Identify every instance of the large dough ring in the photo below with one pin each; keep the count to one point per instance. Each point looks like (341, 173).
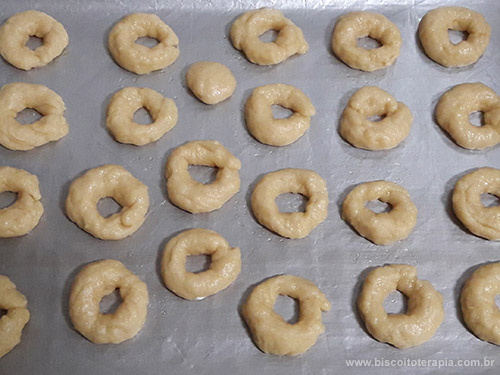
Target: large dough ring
(16, 31)
(224, 267)
(138, 58)
(433, 33)
(123, 105)
(299, 181)
(454, 108)
(97, 280)
(24, 215)
(108, 181)
(246, 30)
(270, 331)
(15, 97)
(381, 228)
(11, 324)
(352, 26)
(278, 132)
(425, 306)
(191, 195)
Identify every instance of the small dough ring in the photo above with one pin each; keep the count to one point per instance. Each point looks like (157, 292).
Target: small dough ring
(385, 134)
(11, 324)
(16, 31)
(108, 181)
(352, 26)
(433, 33)
(381, 228)
(224, 267)
(15, 97)
(246, 30)
(97, 280)
(135, 57)
(299, 181)
(191, 195)
(425, 306)
(123, 105)
(270, 332)
(480, 220)
(278, 132)
(454, 108)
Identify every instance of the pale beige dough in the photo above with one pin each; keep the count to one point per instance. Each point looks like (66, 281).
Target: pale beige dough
(385, 134)
(246, 30)
(135, 57)
(433, 33)
(278, 132)
(191, 195)
(16, 31)
(108, 181)
(381, 228)
(270, 332)
(425, 306)
(97, 280)
(299, 181)
(211, 82)
(224, 267)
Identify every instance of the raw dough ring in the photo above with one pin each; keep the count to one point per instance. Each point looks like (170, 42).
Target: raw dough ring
(16, 31)
(298, 181)
(224, 267)
(246, 30)
(11, 324)
(108, 181)
(355, 25)
(480, 220)
(433, 33)
(278, 132)
(425, 306)
(135, 57)
(22, 216)
(270, 332)
(97, 280)
(481, 314)
(123, 105)
(15, 97)
(381, 228)
(191, 195)
(454, 108)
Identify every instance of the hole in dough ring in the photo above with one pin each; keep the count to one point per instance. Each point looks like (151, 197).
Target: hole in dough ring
(270, 332)
(97, 280)
(224, 267)
(107, 181)
(425, 306)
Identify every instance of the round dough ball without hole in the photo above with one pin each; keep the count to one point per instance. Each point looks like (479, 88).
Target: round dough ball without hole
(211, 82)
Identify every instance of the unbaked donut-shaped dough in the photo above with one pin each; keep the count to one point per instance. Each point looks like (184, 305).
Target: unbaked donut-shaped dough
(211, 82)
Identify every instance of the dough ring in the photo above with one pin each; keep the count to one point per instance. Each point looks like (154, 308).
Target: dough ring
(246, 30)
(381, 228)
(355, 25)
(22, 216)
(15, 97)
(211, 82)
(224, 268)
(108, 181)
(11, 324)
(433, 33)
(454, 108)
(481, 314)
(123, 105)
(97, 280)
(270, 332)
(298, 181)
(278, 132)
(480, 220)
(16, 31)
(135, 57)
(425, 306)
(191, 195)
